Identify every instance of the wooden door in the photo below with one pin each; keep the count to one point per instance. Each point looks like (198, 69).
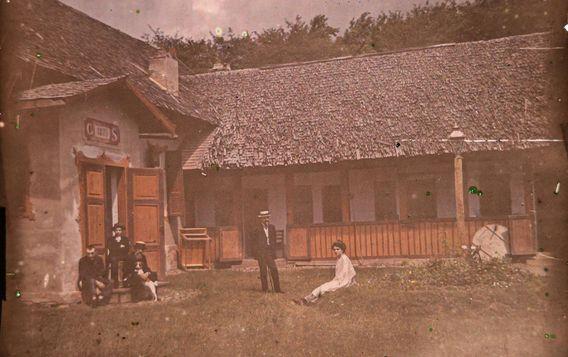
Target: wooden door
(94, 199)
(231, 247)
(146, 214)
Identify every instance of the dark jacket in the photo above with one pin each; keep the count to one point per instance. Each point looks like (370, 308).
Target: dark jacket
(261, 244)
(131, 278)
(118, 249)
(91, 269)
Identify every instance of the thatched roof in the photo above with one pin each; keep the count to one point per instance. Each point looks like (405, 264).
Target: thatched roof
(361, 107)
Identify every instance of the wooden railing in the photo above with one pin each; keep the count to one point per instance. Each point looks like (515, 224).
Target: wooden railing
(426, 238)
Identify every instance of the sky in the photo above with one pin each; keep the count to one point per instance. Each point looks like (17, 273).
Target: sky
(197, 18)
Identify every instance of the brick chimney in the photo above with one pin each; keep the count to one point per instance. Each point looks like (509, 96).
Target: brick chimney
(164, 71)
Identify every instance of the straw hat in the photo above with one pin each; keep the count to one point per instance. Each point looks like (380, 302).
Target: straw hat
(263, 214)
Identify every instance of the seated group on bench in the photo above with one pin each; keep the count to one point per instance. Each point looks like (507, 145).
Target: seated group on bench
(94, 284)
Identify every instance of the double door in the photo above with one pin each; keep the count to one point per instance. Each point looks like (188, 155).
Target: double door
(133, 197)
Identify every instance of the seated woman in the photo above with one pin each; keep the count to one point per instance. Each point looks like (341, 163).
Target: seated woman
(344, 275)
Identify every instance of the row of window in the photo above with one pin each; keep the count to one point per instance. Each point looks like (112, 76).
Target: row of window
(420, 198)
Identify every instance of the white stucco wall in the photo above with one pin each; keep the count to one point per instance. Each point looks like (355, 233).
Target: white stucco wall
(445, 197)
(362, 195)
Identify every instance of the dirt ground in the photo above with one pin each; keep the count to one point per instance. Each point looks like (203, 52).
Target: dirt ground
(441, 309)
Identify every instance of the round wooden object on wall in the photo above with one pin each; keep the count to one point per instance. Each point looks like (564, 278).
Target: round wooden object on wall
(494, 241)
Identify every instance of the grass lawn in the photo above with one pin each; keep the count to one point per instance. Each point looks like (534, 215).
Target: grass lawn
(437, 310)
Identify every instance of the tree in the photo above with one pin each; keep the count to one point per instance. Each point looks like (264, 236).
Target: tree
(424, 25)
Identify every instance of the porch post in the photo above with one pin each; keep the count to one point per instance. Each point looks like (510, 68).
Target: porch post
(458, 189)
(237, 197)
(289, 199)
(345, 197)
(529, 199)
(457, 141)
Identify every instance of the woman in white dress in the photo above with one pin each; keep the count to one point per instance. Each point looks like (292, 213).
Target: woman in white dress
(344, 275)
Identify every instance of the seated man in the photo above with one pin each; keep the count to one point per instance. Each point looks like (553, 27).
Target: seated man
(344, 275)
(95, 288)
(142, 287)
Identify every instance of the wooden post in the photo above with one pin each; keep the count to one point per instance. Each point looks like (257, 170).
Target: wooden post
(189, 189)
(238, 214)
(289, 199)
(237, 197)
(345, 197)
(530, 204)
(460, 208)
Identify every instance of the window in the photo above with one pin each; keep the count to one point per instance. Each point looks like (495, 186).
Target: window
(385, 200)
(331, 201)
(421, 198)
(303, 205)
(223, 208)
(496, 198)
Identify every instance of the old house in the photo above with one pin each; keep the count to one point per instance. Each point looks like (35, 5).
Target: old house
(91, 115)
(102, 128)
(362, 149)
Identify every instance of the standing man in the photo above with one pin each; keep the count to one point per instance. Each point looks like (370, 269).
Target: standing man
(118, 249)
(95, 288)
(265, 245)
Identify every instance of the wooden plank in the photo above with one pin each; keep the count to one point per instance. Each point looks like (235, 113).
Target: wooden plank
(365, 239)
(398, 246)
(38, 103)
(298, 243)
(231, 244)
(158, 114)
(96, 224)
(146, 212)
(403, 240)
(428, 238)
(420, 239)
(312, 241)
(520, 234)
(374, 240)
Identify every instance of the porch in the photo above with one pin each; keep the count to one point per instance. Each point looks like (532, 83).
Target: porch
(400, 207)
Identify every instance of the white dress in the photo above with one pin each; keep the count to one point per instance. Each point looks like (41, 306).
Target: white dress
(344, 277)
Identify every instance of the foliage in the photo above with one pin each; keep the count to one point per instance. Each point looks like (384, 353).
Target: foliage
(427, 24)
(460, 272)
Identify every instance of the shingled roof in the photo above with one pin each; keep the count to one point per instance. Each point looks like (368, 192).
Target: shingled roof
(60, 38)
(360, 108)
(65, 90)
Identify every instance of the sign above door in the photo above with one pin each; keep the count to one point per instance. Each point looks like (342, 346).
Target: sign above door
(99, 131)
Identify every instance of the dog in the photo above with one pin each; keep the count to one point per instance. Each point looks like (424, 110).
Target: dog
(145, 277)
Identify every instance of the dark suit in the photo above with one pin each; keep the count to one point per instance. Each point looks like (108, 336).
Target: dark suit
(265, 254)
(117, 252)
(91, 271)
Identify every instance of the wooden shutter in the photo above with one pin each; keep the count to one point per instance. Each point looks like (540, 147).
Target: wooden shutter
(94, 198)
(146, 214)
